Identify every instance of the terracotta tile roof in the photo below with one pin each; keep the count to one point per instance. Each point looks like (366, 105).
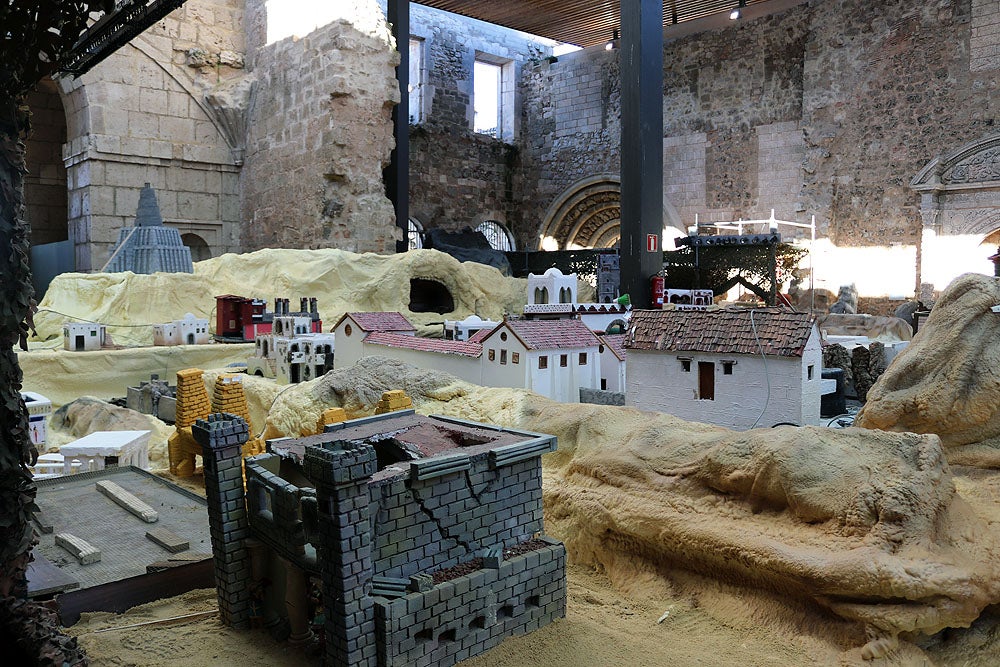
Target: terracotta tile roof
(380, 321)
(615, 343)
(781, 332)
(550, 334)
(439, 345)
(480, 335)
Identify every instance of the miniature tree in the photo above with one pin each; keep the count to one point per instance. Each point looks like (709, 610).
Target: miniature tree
(38, 40)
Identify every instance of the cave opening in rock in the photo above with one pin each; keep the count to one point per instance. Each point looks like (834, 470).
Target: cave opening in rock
(430, 296)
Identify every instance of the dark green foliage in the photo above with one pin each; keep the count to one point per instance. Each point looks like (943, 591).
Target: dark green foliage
(719, 268)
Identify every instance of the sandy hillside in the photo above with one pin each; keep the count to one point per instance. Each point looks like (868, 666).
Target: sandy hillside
(785, 546)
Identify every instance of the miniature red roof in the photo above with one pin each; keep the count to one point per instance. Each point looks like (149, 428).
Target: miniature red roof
(439, 345)
(781, 332)
(615, 343)
(379, 321)
(550, 334)
(480, 335)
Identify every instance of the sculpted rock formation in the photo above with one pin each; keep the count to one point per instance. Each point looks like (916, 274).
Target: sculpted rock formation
(342, 281)
(867, 525)
(947, 381)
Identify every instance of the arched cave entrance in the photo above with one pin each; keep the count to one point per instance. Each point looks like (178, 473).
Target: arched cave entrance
(45, 183)
(199, 248)
(430, 296)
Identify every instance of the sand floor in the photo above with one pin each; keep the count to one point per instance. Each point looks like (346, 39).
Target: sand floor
(705, 624)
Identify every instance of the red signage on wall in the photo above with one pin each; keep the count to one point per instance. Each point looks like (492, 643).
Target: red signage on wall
(652, 241)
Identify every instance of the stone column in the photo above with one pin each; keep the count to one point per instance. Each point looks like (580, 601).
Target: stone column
(340, 473)
(221, 437)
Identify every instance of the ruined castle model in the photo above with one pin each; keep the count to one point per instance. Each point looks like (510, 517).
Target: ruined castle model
(425, 533)
(148, 246)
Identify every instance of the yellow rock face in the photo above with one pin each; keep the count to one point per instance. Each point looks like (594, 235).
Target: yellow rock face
(341, 281)
(947, 381)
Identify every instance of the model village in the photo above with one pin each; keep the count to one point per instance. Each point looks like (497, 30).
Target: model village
(708, 446)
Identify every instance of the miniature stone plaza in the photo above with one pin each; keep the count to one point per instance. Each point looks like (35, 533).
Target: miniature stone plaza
(391, 334)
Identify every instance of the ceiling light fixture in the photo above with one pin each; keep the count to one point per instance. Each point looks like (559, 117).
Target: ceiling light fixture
(613, 42)
(737, 12)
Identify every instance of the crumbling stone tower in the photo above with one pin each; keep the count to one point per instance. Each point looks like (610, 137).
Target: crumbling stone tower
(222, 437)
(229, 396)
(192, 405)
(341, 473)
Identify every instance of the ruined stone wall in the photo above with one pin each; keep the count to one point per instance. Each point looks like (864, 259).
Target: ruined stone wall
(458, 177)
(824, 108)
(571, 128)
(888, 87)
(143, 116)
(319, 133)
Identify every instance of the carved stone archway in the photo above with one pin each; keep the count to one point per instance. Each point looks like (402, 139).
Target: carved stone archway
(960, 190)
(588, 214)
(585, 209)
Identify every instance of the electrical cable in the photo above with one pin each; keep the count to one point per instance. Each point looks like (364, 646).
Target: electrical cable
(83, 319)
(767, 376)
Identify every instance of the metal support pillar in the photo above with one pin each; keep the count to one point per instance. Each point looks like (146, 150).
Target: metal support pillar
(397, 175)
(642, 147)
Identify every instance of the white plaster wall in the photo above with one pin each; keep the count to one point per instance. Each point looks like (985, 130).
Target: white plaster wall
(811, 390)
(656, 381)
(612, 370)
(348, 349)
(466, 368)
(563, 383)
(495, 374)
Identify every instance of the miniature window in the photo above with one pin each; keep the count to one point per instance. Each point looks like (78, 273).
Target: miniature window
(93, 333)
(727, 367)
(563, 360)
(493, 355)
(515, 358)
(686, 365)
(583, 358)
(543, 362)
(809, 372)
(503, 357)
(348, 330)
(503, 335)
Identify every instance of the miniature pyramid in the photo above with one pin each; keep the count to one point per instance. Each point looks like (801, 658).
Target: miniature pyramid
(148, 246)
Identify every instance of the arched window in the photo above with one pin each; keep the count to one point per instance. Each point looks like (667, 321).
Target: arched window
(497, 235)
(414, 235)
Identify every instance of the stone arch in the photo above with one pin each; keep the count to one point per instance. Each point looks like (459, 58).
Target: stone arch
(199, 247)
(45, 184)
(960, 190)
(588, 214)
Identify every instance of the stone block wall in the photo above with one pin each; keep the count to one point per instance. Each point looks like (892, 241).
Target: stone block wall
(463, 617)
(319, 134)
(142, 116)
(425, 525)
(459, 178)
(569, 135)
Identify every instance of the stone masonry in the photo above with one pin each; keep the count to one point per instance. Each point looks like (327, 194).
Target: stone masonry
(222, 437)
(341, 473)
(394, 504)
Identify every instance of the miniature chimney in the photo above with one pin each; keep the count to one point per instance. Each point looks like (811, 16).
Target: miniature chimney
(313, 305)
(303, 305)
(277, 306)
(285, 306)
